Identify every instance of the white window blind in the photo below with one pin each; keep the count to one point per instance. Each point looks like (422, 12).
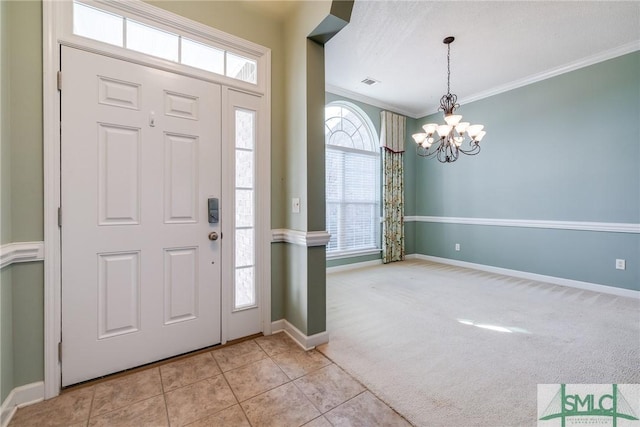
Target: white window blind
(352, 181)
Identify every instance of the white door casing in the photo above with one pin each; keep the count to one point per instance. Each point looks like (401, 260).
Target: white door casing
(141, 153)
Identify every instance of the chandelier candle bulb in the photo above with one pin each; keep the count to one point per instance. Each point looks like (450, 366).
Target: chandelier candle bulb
(462, 127)
(453, 119)
(430, 128)
(419, 137)
(443, 130)
(474, 130)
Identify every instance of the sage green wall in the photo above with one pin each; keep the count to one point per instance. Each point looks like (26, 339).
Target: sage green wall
(6, 342)
(304, 99)
(6, 333)
(21, 285)
(25, 71)
(5, 130)
(313, 24)
(563, 149)
(28, 325)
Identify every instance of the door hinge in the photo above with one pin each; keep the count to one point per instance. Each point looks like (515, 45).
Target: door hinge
(60, 80)
(59, 217)
(60, 351)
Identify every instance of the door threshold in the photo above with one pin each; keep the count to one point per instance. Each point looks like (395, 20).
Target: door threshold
(155, 364)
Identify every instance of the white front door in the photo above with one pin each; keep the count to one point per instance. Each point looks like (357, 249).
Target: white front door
(141, 150)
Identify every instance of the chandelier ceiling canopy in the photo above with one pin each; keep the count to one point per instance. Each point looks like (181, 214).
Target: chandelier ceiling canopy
(455, 136)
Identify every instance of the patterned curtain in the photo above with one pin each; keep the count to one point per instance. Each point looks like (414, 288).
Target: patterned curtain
(392, 140)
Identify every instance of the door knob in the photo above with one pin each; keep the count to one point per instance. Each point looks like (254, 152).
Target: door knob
(213, 236)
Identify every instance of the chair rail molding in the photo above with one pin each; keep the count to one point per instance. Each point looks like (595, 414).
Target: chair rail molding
(611, 227)
(12, 253)
(300, 238)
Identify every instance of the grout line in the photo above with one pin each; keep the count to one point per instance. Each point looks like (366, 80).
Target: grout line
(166, 408)
(93, 398)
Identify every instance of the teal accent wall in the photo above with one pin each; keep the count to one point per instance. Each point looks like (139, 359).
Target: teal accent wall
(563, 149)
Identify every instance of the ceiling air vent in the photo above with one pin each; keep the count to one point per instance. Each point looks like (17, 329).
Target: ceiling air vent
(369, 81)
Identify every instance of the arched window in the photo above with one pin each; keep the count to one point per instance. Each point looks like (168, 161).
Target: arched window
(352, 181)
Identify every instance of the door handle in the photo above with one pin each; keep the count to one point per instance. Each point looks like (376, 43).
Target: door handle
(213, 236)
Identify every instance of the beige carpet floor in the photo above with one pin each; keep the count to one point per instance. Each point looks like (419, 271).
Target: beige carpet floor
(447, 346)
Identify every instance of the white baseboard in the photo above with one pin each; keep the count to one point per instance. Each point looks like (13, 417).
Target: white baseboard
(21, 396)
(354, 266)
(611, 290)
(304, 341)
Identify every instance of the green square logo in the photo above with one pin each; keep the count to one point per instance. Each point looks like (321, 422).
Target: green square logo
(593, 405)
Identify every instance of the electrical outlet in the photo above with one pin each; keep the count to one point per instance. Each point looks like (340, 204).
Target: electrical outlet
(621, 264)
(295, 205)
(458, 247)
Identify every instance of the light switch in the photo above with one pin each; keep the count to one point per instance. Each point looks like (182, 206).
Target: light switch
(295, 205)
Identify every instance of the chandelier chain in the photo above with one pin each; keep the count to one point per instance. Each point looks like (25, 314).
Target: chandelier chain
(448, 69)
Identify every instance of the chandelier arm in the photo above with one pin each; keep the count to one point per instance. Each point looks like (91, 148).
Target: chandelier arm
(475, 149)
(425, 152)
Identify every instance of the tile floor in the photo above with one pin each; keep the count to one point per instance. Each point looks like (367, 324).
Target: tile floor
(267, 381)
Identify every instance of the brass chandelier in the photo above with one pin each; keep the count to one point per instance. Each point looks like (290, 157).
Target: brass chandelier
(455, 136)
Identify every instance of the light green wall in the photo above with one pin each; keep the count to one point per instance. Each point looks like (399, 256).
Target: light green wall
(563, 149)
(5, 129)
(28, 323)
(25, 71)
(303, 62)
(21, 326)
(6, 333)
(21, 187)
(304, 100)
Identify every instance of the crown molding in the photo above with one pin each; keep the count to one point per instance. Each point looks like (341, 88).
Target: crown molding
(534, 78)
(335, 90)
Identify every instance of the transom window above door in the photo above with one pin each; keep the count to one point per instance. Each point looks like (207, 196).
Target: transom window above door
(352, 181)
(119, 30)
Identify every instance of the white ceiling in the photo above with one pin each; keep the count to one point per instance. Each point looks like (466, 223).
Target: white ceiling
(499, 45)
